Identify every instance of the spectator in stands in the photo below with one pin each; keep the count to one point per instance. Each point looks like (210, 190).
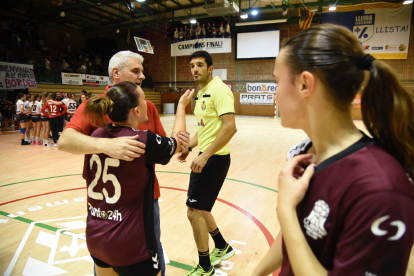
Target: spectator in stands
(68, 50)
(65, 66)
(98, 63)
(47, 64)
(91, 67)
(83, 68)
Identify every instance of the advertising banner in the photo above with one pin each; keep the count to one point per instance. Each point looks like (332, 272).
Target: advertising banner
(383, 32)
(211, 45)
(71, 79)
(16, 76)
(83, 79)
(256, 99)
(268, 87)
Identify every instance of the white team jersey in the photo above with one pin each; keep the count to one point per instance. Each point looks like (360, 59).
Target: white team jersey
(26, 106)
(300, 148)
(71, 104)
(36, 108)
(18, 109)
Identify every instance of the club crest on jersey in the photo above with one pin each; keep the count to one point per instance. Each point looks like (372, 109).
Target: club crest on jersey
(203, 106)
(201, 123)
(314, 223)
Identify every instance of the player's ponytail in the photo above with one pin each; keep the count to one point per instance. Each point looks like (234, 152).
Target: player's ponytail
(96, 108)
(117, 103)
(386, 111)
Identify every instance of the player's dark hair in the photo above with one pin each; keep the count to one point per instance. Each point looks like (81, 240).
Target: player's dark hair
(35, 97)
(53, 96)
(117, 103)
(203, 54)
(332, 53)
(20, 95)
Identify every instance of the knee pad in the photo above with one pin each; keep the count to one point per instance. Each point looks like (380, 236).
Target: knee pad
(22, 130)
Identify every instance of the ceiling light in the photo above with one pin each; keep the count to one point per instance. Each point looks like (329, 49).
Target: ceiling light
(408, 2)
(193, 21)
(62, 14)
(254, 12)
(117, 31)
(332, 8)
(140, 0)
(244, 16)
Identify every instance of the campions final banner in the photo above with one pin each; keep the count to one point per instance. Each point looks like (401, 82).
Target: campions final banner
(383, 29)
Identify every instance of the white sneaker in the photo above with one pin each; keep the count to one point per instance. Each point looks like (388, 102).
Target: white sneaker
(29, 140)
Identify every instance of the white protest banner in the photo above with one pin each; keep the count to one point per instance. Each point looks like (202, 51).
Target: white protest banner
(383, 29)
(211, 45)
(256, 99)
(71, 79)
(261, 87)
(16, 76)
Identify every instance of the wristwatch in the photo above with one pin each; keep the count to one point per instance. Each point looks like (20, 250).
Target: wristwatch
(189, 148)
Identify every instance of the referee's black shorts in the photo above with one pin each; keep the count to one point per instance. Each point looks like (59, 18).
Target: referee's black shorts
(205, 186)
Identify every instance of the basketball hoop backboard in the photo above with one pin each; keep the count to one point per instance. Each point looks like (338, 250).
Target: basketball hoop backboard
(144, 45)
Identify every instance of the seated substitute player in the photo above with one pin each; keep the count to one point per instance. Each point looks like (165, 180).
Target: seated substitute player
(214, 111)
(350, 214)
(120, 230)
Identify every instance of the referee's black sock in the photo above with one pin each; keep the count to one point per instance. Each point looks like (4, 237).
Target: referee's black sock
(204, 260)
(219, 241)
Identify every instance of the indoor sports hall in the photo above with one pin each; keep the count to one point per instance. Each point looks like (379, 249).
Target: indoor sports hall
(65, 46)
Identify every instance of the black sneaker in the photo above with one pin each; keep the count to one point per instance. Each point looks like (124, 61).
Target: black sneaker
(24, 143)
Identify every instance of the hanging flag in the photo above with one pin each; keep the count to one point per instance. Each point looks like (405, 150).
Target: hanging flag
(305, 19)
(129, 36)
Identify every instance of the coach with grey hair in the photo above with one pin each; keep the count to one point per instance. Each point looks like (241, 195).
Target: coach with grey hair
(75, 139)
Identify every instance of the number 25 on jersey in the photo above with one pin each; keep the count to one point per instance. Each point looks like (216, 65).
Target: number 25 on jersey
(109, 162)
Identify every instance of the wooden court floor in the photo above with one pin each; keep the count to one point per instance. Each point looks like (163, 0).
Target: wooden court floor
(43, 207)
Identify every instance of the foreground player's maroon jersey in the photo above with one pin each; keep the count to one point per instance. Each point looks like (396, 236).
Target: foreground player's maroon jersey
(357, 213)
(120, 223)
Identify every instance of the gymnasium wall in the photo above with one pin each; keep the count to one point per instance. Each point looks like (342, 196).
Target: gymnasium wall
(248, 70)
(158, 66)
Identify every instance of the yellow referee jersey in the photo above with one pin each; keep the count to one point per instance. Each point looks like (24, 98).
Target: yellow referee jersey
(214, 100)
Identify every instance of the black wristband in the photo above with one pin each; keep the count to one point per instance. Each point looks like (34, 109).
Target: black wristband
(189, 148)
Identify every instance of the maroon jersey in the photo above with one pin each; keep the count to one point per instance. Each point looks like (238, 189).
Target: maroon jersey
(357, 213)
(120, 223)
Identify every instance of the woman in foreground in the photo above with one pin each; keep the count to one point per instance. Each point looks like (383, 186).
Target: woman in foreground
(350, 213)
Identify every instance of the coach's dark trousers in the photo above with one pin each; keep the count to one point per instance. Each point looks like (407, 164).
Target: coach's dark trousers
(56, 126)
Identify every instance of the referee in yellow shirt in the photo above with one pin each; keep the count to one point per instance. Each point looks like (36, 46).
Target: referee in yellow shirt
(214, 110)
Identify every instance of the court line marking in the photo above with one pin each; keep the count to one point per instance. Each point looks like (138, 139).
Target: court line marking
(264, 230)
(235, 180)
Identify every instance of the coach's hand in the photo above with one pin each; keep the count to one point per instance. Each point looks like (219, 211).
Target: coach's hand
(198, 163)
(185, 141)
(124, 148)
